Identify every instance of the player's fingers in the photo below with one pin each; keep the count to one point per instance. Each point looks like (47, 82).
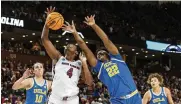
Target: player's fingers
(86, 18)
(85, 22)
(64, 29)
(67, 23)
(53, 9)
(93, 15)
(50, 8)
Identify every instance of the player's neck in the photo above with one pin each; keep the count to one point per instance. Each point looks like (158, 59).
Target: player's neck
(156, 89)
(38, 78)
(69, 58)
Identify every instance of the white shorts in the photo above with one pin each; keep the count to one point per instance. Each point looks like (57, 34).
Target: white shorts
(71, 100)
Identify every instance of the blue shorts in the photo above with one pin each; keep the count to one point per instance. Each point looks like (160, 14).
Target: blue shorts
(136, 99)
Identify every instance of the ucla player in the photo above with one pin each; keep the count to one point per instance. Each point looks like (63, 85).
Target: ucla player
(111, 68)
(36, 87)
(67, 71)
(158, 94)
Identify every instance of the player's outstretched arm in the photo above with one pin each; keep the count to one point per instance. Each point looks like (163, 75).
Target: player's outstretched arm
(88, 53)
(86, 73)
(22, 82)
(51, 50)
(169, 96)
(146, 98)
(107, 42)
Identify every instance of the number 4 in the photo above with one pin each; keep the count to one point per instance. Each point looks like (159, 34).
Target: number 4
(69, 72)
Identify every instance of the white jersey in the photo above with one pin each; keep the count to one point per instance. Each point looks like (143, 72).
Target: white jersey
(66, 78)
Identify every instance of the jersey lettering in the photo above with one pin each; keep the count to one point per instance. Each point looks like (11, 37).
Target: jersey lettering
(157, 100)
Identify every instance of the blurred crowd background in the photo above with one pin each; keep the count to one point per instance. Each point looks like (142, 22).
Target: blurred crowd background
(160, 23)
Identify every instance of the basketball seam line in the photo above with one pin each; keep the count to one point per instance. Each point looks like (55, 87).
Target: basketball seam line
(56, 23)
(52, 20)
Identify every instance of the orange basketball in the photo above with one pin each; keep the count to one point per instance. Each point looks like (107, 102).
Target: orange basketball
(55, 21)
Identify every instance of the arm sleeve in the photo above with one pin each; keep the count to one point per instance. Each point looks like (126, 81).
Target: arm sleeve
(97, 67)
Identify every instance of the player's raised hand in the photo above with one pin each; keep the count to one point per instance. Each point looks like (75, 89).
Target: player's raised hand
(50, 10)
(68, 27)
(27, 73)
(89, 20)
(82, 57)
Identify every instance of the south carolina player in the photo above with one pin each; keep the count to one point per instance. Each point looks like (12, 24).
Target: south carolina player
(36, 87)
(67, 71)
(158, 94)
(111, 68)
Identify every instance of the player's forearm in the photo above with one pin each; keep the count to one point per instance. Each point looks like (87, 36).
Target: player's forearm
(100, 33)
(45, 33)
(87, 74)
(78, 39)
(17, 84)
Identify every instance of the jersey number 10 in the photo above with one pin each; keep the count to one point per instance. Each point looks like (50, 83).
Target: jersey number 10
(38, 98)
(69, 72)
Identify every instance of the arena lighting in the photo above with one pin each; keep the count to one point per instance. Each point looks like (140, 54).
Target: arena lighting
(133, 49)
(86, 42)
(120, 47)
(162, 53)
(81, 35)
(57, 41)
(59, 36)
(137, 53)
(67, 39)
(153, 55)
(146, 51)
(31, 41)
(23, 36)
(33, 33)
(12, 38)
(146, 56)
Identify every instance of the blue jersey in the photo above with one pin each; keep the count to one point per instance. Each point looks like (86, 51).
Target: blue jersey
(158, 98)
(116, 76)
(37, 94)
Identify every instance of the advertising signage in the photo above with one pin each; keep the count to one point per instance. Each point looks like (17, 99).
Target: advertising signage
(163, 47)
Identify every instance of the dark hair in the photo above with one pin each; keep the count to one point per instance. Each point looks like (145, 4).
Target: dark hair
(104, 49)
(101, 48)
(65, 49)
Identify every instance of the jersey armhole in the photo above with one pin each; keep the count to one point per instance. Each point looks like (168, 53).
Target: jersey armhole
(32, 84)
(164, 91)
(100, 70)
(150, 95)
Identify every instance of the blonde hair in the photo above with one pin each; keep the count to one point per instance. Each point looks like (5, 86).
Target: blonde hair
(155, 75)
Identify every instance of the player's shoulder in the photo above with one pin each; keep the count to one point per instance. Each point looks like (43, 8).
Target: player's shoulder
(167, 90)
(79, 62)
(31, 83)
(148, 94)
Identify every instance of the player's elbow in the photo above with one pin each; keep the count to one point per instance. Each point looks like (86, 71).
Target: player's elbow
(14, 87)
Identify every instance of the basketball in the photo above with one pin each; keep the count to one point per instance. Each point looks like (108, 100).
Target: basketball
(55, 21)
